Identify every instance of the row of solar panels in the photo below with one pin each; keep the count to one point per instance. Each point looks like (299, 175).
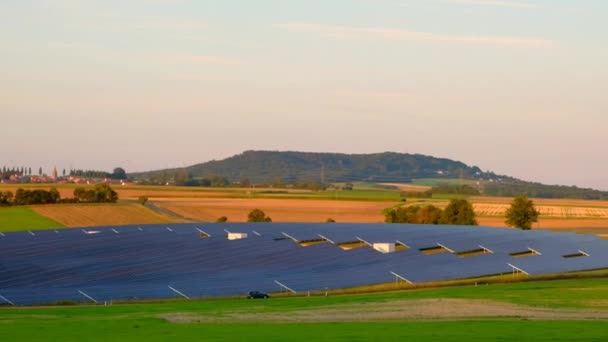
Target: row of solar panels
(159, 261)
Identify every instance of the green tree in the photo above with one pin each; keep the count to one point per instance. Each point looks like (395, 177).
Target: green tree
(118, 173)
(105, 194)
(522, 213)
(459, 212)
(429, 214)
(257, 215)
(6, 198)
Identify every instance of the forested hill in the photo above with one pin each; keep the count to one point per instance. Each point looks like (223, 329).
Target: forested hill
(279, 168)
(289, 167)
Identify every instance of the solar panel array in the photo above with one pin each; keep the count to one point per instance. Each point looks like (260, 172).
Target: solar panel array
(158, 261)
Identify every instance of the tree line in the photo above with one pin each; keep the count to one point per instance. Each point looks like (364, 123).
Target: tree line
(100, 193)
(521, 214)
(458, 212)
(117, 173)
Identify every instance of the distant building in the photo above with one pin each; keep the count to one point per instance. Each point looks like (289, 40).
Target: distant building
(54, 175)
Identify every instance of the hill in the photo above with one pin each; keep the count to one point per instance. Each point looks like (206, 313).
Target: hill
(268, 166)
(274, 167)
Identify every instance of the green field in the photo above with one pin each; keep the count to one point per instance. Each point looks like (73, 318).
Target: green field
(269, 320)
(22, 218)
(443, 181)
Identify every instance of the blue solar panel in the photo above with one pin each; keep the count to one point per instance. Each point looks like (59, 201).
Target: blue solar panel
(156, 261)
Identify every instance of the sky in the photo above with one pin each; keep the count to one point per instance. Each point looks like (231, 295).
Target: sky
(515, 87)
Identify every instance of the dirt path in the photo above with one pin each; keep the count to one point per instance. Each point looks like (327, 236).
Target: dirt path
(423, 309)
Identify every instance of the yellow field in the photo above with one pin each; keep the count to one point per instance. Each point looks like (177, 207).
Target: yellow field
(493, 209)
(74, 215)
(279, 210)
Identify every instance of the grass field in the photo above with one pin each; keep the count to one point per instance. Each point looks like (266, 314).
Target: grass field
(12, 219)
(543, 311)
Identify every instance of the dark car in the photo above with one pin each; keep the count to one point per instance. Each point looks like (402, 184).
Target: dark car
(256, 295)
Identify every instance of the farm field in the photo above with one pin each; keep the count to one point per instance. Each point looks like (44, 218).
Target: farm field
(280, 210)
(364, 204)
(79, 215)
(12, 219)
(569, 310)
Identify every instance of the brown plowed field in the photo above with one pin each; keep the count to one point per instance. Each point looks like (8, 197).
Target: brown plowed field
(101, 215)
(292, 210)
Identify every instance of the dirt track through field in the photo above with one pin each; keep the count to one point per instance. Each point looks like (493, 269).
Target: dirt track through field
(422, 309)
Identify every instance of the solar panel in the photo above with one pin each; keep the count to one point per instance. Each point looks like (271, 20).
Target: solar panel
(164, 261)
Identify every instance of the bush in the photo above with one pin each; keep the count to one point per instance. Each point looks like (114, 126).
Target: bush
(257, 215)
(221, 219)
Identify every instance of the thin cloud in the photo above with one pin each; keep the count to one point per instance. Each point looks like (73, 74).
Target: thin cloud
(493, 3)
(346, 32)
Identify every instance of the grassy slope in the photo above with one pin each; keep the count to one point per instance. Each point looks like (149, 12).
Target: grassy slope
(21, 218)
(140, 321)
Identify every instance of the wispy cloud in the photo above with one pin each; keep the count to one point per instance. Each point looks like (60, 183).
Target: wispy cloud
(493, 3)
(348, 32)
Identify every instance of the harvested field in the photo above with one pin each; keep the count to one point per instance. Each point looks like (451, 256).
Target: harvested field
(279, 210)
(494, 209)
(551, 223)
(101, 214)
(542, 201)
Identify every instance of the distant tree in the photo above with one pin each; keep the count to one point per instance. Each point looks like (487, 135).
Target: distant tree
(257, 215)
(6, 198)
(101, 193)
(54, 195)
(522, 213)
(118, 173)
(38, 196)
(413, 214)
(330, 220)
(348, 186)
(63, 172)
(401, 214)
(429, 214)
(105, 194)
(221, 219)
(182, 177)
(459, 212)
(40, 172)
(219, 181)
(245, 183)
(143, 200)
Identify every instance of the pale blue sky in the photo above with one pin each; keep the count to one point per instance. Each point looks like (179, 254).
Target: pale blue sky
(517, 87)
